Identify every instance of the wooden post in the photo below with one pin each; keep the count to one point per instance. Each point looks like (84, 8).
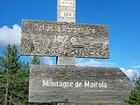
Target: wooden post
(66, 12)
(66, 61)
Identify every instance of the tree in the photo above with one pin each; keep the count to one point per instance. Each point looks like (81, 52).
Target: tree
(11, 78)
(14, 78)
(35, 60)
(134, 98)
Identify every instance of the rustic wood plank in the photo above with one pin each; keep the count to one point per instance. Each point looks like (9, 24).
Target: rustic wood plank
(64, 39)
(118, 84)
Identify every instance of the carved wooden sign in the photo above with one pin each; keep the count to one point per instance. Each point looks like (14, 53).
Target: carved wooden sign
(78, 84)
(64, 39)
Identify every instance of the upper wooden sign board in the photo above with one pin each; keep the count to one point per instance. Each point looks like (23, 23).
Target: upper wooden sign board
(45, 38)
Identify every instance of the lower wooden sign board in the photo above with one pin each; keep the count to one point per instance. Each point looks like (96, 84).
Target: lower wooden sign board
(78, 84)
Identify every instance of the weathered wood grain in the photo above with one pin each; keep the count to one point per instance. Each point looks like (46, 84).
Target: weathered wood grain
(64, 39)
(118, 84)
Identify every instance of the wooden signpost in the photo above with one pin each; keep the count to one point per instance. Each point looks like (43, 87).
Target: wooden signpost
(66, 83)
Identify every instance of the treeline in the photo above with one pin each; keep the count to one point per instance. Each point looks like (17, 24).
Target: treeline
(14, 80)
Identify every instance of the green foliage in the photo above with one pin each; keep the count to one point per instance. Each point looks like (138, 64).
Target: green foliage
(137, 83)
(13, 80)
(134, 98)
(2, 87)
(35, 60)
(10, 61)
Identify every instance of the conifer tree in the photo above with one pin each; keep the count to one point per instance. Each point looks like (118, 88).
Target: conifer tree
(134, 98)
(12, 80)
(35, 60)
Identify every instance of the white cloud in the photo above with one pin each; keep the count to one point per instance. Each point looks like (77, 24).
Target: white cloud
(10, 35)
(93, 63)
(130, 72)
